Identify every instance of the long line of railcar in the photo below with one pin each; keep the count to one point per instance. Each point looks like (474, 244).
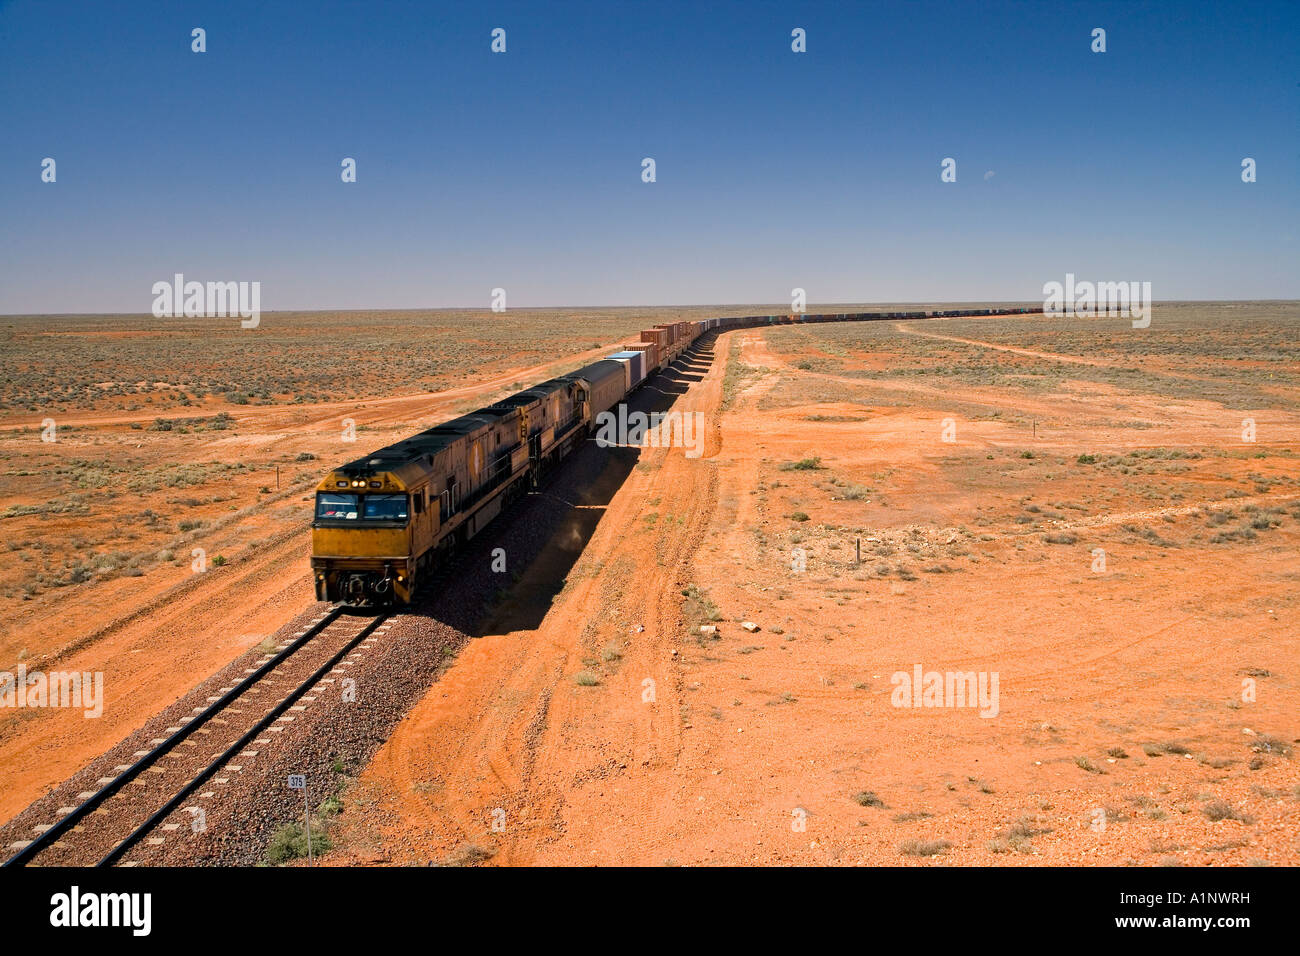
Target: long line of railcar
(385, 521)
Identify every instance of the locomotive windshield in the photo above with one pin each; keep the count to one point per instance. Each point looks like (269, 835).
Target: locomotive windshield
(384, 507)
(339, 507)
(336, 507)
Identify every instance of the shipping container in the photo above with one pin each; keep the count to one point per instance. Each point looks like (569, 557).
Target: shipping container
(651, 353)
(659, 337)
(627, 372)
(635, 362)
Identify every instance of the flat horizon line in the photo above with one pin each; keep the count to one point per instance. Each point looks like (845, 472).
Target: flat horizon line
(705, 305)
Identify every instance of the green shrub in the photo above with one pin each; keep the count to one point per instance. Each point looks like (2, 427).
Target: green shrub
(290, 843)
(923, 847)
(804, 464)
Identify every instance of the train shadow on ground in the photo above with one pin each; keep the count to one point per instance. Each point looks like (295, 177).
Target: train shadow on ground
(509, 576)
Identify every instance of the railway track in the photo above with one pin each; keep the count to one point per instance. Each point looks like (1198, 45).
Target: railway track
(129, 807)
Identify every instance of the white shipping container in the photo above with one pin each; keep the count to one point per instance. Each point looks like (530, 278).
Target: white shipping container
(635, 362)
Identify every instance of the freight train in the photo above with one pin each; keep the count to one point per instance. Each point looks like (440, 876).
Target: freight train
(386, 521)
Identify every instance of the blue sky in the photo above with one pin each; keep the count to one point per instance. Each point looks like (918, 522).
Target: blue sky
(523, 170)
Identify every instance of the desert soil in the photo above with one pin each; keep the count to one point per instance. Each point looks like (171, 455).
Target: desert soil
(1147, 702)
(1147, 705)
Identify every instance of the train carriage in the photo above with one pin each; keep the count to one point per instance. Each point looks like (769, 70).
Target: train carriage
(603, 386)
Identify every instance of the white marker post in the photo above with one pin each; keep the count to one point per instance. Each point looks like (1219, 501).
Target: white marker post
(298, 781)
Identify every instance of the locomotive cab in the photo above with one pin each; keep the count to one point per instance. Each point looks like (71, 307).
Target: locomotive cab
(366, 528)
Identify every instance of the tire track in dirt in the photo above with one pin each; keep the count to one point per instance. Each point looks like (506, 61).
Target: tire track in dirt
(149, 657)
(1028, 353)
(178, 602)
(418, 403)
(1052, 356)
(1202, 413)
(948, 533)
(1151, 514)
(758, 353)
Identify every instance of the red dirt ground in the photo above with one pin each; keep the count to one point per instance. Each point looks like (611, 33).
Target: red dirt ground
(1120, 718)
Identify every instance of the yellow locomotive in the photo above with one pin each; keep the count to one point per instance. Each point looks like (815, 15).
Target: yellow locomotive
(386, 520)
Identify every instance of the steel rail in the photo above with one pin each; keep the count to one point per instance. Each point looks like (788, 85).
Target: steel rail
(51, 836)
(199, 779)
